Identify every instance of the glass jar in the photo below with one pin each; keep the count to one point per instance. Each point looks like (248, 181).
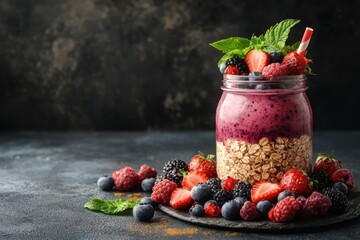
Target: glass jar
(263, 128)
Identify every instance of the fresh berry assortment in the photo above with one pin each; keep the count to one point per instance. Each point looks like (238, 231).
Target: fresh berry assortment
(201, 193)
(266, 54)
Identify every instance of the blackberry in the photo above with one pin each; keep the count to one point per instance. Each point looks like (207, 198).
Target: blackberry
(276, 57)
(242, 189)
(214, 184)
(222, 196)
(320, 180)
(172, 175)
(175, 164)
(239, 64)
(339, 201)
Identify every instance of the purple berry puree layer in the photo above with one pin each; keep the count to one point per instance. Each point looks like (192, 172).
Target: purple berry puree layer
(252, 117)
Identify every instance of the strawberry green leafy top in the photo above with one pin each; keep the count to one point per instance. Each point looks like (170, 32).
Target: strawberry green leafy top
(274, 39)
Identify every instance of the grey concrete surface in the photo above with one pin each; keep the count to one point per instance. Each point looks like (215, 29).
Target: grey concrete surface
(45, 179)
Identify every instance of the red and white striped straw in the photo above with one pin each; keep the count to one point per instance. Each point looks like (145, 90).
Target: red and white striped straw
(305, 41)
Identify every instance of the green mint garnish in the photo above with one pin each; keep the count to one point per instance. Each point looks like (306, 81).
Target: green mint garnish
(274, 39)
(111, 207)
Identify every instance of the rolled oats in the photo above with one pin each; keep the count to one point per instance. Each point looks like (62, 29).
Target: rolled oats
(266, 160)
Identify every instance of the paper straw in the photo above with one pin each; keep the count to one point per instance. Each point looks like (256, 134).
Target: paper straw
(305, 41)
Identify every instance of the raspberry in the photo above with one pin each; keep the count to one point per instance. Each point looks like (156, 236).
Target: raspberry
(295, 63)
(285, 210)
(275, 70)
(319, 202)
(146, 172)
(126, 179)
(305, 211)
(212, 208)
(232, 70)
(162, 191)
(249, 212)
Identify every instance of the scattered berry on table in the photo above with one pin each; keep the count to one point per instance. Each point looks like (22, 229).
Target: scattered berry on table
(339, 201)
(275, 70)
(175, 164)
(126, 179)
(242, 189)
(305, 210)
(232, 70)
(214, 184)
(264, 207)
(284, 194)
(295, 63)
(239, 64)
(147, 184)
(341, 187)
(146, 172)
(326, 163)
(285, 210)
(191, 179)
(320, 180)
(173, 175)
(240, 201)
(201, 193)
(319, 202)
(197, 210)
(181, 199)
(344, 175)
(202, 163)
(276, 57)
(297, 181)
(228, 184)
(105, 183)
(148, 200)
(143, 212)
(230, 210)
(265, 191)
(222, 196)
(212, 208)
(162, 191)
(249, 212)
(256, 60)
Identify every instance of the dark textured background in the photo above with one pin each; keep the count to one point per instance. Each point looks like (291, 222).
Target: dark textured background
(146, 64)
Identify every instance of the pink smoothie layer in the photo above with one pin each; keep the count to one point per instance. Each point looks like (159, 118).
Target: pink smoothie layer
(252, 117)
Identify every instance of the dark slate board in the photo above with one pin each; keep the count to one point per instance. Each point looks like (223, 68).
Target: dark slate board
(352, 212)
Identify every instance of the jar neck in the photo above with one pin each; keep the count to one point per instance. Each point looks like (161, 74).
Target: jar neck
(256, 85)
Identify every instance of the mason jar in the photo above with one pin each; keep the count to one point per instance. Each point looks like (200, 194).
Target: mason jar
(263, 128)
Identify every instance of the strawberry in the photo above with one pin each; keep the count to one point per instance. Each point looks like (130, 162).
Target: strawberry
(297, 181)
(256, 60)
(212, 208)
(181, 199)
(295, 63)
(203, 164)
(232, 70)
(191, 179)
(344, 175)
(327, 164)
(265, 191)
(228, 184)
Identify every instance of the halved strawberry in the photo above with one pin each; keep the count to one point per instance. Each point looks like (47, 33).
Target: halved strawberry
(265, 191)
(256, 60)
(181, 199)
(228, 184)
(191, 179)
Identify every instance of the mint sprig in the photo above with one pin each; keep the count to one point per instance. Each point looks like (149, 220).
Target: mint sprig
(230, 44)
(277, 35)
(111, 207)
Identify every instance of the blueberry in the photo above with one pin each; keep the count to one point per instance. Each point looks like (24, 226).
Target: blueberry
(276, 57)
(201, 193)
(285, 194)
(197, 210)
(254, 76)
(148, 200)
(147, 184)
(240, 201)
(263, 86)
(222, 67)
(105, 183)
(264, 207)
(143, 212)
(341, 187)
(230, 210)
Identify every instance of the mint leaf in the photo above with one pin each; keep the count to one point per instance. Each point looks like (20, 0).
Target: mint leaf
(257, 42)
(234, 53)
(277, 35)
(229, 44)
(111, 207)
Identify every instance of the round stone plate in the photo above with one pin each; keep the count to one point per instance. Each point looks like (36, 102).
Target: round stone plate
(352, 212)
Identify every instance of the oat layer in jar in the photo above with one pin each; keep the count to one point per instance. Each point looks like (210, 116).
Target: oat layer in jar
(263, 128)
